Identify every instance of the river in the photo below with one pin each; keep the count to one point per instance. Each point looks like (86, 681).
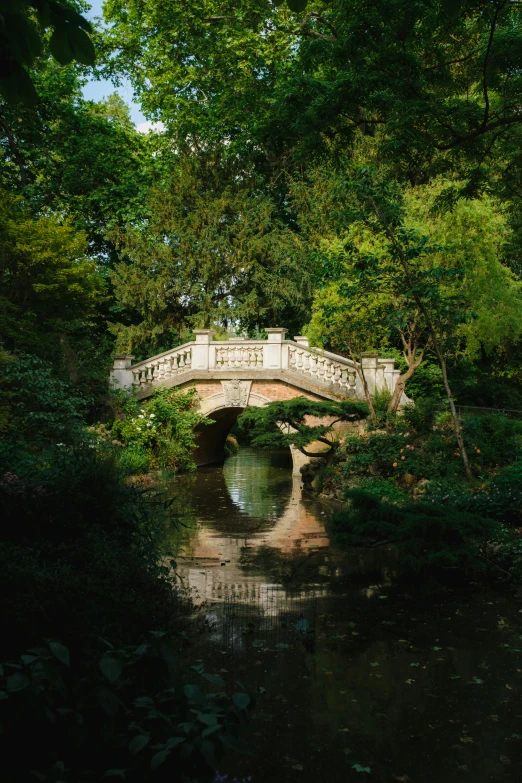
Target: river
(357, 674)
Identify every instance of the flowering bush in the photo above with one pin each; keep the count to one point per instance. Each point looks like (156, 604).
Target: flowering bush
(159, 432)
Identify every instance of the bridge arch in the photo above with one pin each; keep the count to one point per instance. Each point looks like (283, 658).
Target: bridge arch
(220, 408)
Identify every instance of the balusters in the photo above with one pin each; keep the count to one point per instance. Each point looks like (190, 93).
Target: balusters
(328, 372)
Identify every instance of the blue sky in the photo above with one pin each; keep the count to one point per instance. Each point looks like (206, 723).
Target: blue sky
(96, 90)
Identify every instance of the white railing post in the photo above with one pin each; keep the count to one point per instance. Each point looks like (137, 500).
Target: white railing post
(121, 374)
(272, 350)
(201, 349)
(369, 362)
(389, 369)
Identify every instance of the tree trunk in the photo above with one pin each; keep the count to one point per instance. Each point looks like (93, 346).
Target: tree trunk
(399, 389)
(454, 415)
(367, 396)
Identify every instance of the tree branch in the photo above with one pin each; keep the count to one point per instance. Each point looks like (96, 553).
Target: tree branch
(480, 131)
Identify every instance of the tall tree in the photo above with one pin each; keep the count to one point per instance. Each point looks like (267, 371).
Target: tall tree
(213, 253)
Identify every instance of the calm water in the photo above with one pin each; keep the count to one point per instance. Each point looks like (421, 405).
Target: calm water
(356, 677)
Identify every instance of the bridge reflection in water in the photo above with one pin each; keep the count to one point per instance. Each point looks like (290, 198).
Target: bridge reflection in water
(242, 515)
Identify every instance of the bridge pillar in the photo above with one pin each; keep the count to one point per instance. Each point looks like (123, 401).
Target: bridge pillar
(200, 350)
(121, 374)
(273, 350)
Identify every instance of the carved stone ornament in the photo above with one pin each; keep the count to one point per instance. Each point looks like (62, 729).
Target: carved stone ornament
(236, 393)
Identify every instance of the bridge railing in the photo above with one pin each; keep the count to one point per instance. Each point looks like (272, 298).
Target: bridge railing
(248, 357)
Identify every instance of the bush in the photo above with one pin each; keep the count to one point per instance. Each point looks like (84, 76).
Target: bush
(122, 712)
(492, 439)
(159, 431)
(499, 498)
(42, 409)
(421, 416)
(426, 535)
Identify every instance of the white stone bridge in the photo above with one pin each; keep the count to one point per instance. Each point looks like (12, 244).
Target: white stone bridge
(233, 374)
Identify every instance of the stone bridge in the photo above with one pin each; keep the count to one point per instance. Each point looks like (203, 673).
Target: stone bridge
(233, 374)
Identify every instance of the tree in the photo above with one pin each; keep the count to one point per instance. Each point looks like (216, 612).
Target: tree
(364, 300)
(213, 253)
(76, 158)
(47, 284)
(291, 423)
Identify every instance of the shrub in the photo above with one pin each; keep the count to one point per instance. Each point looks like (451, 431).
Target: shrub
(492, 439)
(425, 534)
(42, 408)
(126, 712)
(499, 498)
(161, 429)
(421, 416)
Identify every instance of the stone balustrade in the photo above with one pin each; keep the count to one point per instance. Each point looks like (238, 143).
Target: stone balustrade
(275, 356)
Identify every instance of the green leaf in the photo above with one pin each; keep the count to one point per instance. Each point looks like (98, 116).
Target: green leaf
(241, 700)
(208, 752)
(60, 45)
(111, 668)
(16, 86)
(211, 729)
(60, 652)
(81, 45)
(159, 758)
(215, 679)
(358, 768)
(174, 742)
(108, 700)
(138, 743)
(17, 682)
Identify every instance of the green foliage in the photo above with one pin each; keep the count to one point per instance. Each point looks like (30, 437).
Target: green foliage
(23, 24)
(47, 283)
(427, 535)
(420, 417)
(287, 423)
(159, 432)
(42, 410)
(126, 711)
(212, 252)
(499, 498)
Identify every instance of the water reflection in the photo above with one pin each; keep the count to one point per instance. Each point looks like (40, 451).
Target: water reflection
(251, 506)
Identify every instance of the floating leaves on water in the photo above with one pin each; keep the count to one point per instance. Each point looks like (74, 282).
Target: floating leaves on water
(466, 740)
(359, 768)
(414, 664)
(298, 766)
(410, 682)
(436, 648)
(375, 663)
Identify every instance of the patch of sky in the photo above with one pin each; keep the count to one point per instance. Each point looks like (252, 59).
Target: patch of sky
(98, 89)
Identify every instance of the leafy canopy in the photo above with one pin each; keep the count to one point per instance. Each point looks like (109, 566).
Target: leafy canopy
(299, 422)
